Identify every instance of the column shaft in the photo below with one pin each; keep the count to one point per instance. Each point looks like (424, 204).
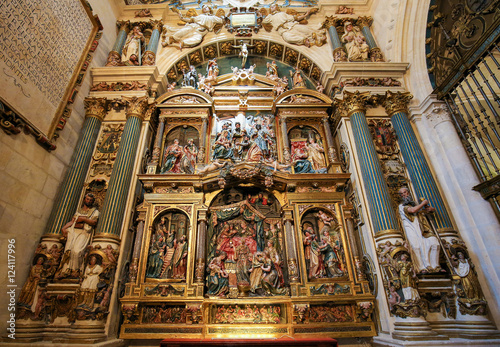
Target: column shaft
(382, 212)
(149, 57)
(69, 193)
(203, 139)
(418, 169)
(286, 143)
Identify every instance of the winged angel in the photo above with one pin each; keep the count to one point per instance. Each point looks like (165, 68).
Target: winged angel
(292, 26)
(195, 28)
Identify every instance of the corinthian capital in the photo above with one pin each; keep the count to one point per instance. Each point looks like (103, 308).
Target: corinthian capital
(95, 107)
(136, 106)
(123, 25)
(364, 21)
(396, 102)
(353, 102)
(156, 24)
(330, 21)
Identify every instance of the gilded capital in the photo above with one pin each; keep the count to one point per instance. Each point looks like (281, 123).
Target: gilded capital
(364, 21)
(329, 21)
(136, 107)
(123, 25)
(156, 24)
(96, 107)
(353, 102)
(396, 102)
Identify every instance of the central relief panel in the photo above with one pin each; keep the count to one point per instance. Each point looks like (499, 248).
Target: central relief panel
(245, 245)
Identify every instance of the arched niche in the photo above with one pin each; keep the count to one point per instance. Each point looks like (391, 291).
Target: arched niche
(168, 247)
(246, 245)
(323, 245)
(307, 148)
(180, 150)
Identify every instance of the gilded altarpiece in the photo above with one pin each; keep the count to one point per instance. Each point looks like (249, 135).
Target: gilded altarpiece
(236, 237)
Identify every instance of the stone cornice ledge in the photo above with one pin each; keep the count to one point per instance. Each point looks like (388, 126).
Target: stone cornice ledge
(342, 71)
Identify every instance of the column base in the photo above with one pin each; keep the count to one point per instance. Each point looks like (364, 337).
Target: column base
(471, 330)
(415, 329)
(386, 340)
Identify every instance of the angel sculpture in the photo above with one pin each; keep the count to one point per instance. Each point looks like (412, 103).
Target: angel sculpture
(291, 26)
(196, 27)
(243, 52)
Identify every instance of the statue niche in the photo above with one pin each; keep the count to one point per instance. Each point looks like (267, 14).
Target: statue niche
(245, 245)
(308, 152)
(323, 247)
(181, 151)
(168, 249)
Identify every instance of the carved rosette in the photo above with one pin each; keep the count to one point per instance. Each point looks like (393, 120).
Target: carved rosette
(136, 106)
(354, 102)
(396, 102)
(95, 107)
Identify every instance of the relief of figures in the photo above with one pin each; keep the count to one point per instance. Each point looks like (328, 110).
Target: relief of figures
(168, 250)
(245, 255)
(196, 27)
(308, 153)
(400, 280)
(30, 292)
(355, 43)
(164, 314)
(249, 139)
(78, 233)
(250, 314)
(323, 248)
(290, 28)
(331, 314)
(181, 151)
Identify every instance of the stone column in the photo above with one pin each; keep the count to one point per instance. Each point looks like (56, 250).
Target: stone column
(149, 57)
(332, 153)
(339, 53)
(111, 218)
(396, 106)
(203, 139)
(375, 52)
(379, 200)
(70, 191)
(291, 249)
(201, 246)
(155, 158)
(115, 55)
(286, 144)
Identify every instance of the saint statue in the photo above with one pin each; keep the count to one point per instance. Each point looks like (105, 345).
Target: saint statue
(132, 50)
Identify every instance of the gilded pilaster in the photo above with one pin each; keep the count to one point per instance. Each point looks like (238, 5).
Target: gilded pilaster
(114, 204)
(396, 106)
(155, 158)
(201, 246)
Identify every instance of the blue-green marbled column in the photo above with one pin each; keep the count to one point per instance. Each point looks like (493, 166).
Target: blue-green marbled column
(339, 53)
(375, 52)
(381, 209)
(67, 198)
(149, 57)
(418, 169)
(111, 218)
(114, 56)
